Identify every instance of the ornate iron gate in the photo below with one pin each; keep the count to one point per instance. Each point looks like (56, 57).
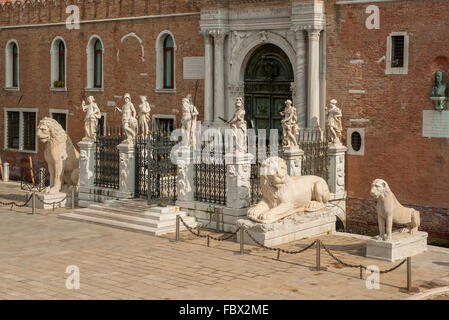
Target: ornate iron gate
(161, 172)
(142, 150)
(107, 159)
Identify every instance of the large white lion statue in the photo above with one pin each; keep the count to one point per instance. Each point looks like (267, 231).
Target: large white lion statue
(284, 195)
(390, 211)
(61, 156)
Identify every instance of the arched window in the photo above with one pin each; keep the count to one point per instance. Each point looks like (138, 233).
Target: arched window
(61, 61)
(15, 66)
(58, 64)
(165, 62)
(168, 62)
(98, 64)
(95, 51)
(12, 65)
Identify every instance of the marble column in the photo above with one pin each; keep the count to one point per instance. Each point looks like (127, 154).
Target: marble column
(238, 184)
(314, 79)
(127, 170)
(336, 180)
(301, 79)
(293, 159)
(219, 88)
(208, 79)
(87, 163)
(186, 175)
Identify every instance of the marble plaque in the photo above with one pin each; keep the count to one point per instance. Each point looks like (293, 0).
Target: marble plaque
(435, 124)
(193, 68)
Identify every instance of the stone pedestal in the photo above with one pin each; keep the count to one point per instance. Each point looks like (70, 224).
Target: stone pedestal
(402, 245)
(295, 227)
(293, 158)
(186, 175)
(87, 163)
(45, 201)
(127, 169)
(336, 180)
(238, 185)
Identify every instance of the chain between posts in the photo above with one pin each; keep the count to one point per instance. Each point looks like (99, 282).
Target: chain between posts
(32, 197)
(13, 203)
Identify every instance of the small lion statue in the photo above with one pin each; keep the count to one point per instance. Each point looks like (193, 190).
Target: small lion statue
(390, 211)
(61, 156)
(284, 195)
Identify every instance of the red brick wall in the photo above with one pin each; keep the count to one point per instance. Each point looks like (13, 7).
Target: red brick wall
(119, 77)
(416, 168)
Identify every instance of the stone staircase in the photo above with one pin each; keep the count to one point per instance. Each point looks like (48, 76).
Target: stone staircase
(132, 214)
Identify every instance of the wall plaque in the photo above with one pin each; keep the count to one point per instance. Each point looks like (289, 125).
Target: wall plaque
(193, 68)
(435, 124)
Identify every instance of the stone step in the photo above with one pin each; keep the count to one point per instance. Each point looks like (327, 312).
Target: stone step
(125, 225)
(148, 220)
(130, 208)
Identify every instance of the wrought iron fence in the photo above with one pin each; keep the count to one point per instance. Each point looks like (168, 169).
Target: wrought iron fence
(256, 191)
(161, 174)
(315, 146)
(41, 180)
(210, 177)
(107, 158)
(142, 152)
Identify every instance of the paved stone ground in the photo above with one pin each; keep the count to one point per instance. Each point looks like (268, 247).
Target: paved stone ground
(35, 251)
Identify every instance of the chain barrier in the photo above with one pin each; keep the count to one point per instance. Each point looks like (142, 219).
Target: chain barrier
(53, 203)
(13, 203)
(198, 234)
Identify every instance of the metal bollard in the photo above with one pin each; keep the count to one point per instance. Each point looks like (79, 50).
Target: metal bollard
(318, 255)
(208, 241)
(361, 273)
(409, 274)
(217, 220)
(73, 198)
(242, 240)
(33, 203)
(177, 227)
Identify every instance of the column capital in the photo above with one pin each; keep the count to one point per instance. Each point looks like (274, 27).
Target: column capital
(314, 34)
(219, 35)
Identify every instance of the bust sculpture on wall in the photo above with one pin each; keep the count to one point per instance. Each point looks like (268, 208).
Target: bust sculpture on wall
(93, 114)
(61, 156)
(390, 211)
(438, 93)
(284, 195)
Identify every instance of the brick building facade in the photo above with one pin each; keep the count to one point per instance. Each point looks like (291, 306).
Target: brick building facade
(331, 51)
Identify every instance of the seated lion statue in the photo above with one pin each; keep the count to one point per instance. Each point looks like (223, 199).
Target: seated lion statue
(390, 211)
(284, 195)
(61, 156)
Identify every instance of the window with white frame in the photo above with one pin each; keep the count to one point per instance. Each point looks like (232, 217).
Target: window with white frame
(58, 54)
(12, 65)
(20, 129)
(397, 53)
(165, 62)
(95, 51)
(60, 116)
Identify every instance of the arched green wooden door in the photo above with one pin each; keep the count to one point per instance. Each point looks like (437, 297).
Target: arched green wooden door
(268, 77)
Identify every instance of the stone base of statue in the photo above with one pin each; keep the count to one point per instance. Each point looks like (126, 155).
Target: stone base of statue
(47, 201)
(401, 246)
(292, 228)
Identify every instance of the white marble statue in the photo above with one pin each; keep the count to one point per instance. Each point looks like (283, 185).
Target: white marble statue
(289, 126)
(390, 211)
(188, 119)
(284, 195)
(93, 114)
(129, 121)
(239, 127)
(144, 116)
(333, 123)
(61, 156)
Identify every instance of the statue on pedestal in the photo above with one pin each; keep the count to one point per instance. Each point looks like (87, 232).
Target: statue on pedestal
(129, 121)
(439, 92)
(289, 126)
(144, 116)
(333, 122)
(91, 120)
(188, 119)
(239, 127)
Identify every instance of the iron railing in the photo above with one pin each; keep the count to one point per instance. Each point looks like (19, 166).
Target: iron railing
(41, 180)
(142, 155)
(315, 161)
(107, 158)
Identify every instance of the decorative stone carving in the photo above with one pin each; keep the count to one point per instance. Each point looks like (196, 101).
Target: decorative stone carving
(129, 121)
(284, 196)
(188, 119)
(390, 211)
(91, 120)
(144, 116)
(61, 156)
(126, 168)
(333, 123)
(239, 127)
(438, 94)
(238, 184)
(289, 126)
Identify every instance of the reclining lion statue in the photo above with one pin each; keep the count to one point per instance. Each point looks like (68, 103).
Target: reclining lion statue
(61, 156)
(284, 195)
(390, 211)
